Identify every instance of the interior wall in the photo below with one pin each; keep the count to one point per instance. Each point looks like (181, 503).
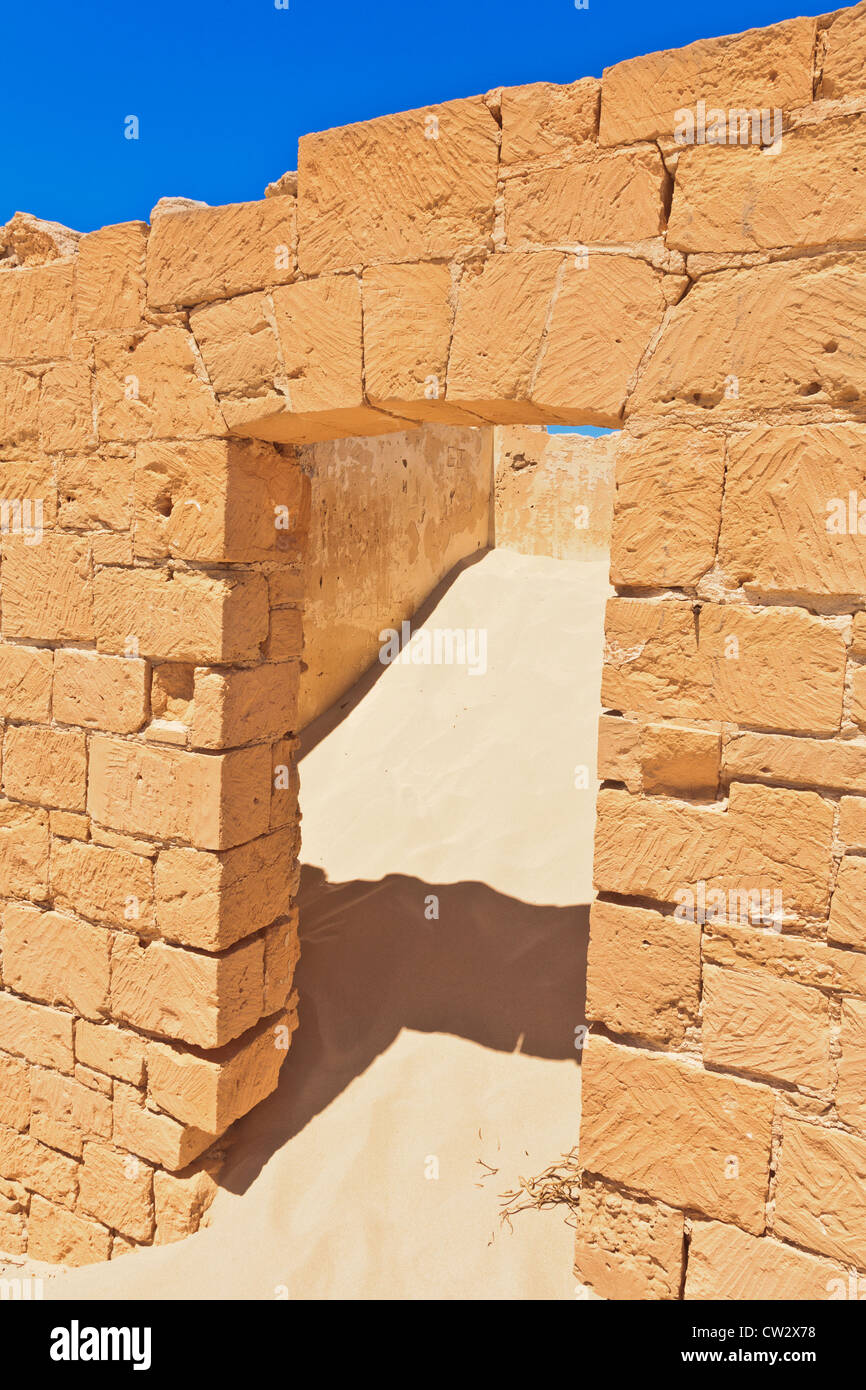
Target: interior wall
(554, 493)
(391, 515)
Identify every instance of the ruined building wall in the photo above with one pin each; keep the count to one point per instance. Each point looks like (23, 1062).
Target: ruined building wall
(553, 492)
(540, 255)
(389, 518)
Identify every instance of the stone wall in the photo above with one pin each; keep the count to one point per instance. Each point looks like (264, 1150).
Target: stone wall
(390, 517)
(537, 255)
(553, 492)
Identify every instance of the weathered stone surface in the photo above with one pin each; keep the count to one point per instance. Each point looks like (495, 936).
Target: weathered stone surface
(611, 196)
(852, 822)
(408, 320)
(211, 801)
(821, 1190)
(767, 1027)
(117, 1190)
(787, 499)
(14, 1095)
(210, 901)
(788, 958)
(107, 885)
(152, 386)
(801, 762)
(619, 751)
(217, 499)
(553, 493)
(114, 1051)
(212, 1092)
(847, 925)
(235, 707)
(845, 54)
(850, 1090)
(47, 588)
(100, 692)
(66, 408)
(110, 283)
(23, 850)
(25, 682)
(238, 343)
(63, 1237)
(214, 253)
(36, 312)
(544, 121)
(69, 1103)
(602, 320)
(19, 407)
(784, 337)
(181, 1201)
(725, 1262)
(628, 1249)
(45, 765)
(359, 205)
(680, 761)
(24, 1160)
(56, 959)
(319, 327)
(203, 1000)
(154, 1137)
(760, 68)
(643, 975)
(36, 1033)
(186, 616)
(744, 200)
(29, 240)
(723, 662)
(668, 507)
(95, 492)
(669, 1130)
(768, 839)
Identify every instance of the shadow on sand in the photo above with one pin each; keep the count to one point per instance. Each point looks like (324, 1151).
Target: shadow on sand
(505, 974)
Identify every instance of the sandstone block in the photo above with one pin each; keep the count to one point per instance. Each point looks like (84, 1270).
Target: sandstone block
(668, 507)
(45, 765)
(768, 1027)
(14, 1094)
(100, 692)
(847, 925)
(845, 38)
(852, 821)
(807, 962)
(56, 959)
(40, 1035)
(239, 345)
(674, 1132)
(765, 68)
(619, 751)
(110, 285)
(187, 616)
(96, 491)
(680, 761)
(19, 407)
(47, 588)
(770, 840)
(62, 1237)
(214, 253)
(211, 801)
(850, 1091)
(202, 1000)
(643, 972)
(408, 318)
(357, 206)
(66, 408)
(104, 884)
(319, 328)
(235, 707)
(210, 901)
(118, 1190)
(111, 1050)
(212, 1092)
(802, 762)
(787, 336)
(608, 196)
(23, 850)
(181, 1201)
(153, 386)
(217, 499)
(156, 1138)
(821, 1191)
(66, 1100)
(38, 1168)
(725, 1262)
(545, 121)
(628, 1249)
(36, 312)
(25, 682)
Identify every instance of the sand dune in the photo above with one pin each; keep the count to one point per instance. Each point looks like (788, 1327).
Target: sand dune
(434, 1064)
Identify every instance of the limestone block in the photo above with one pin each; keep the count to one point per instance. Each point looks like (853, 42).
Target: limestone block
(214, 253)
(643, 972)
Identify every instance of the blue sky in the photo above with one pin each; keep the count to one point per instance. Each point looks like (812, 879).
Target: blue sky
(223, 90)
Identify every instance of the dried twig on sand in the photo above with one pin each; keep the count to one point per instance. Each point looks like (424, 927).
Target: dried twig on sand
(557, 1185)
